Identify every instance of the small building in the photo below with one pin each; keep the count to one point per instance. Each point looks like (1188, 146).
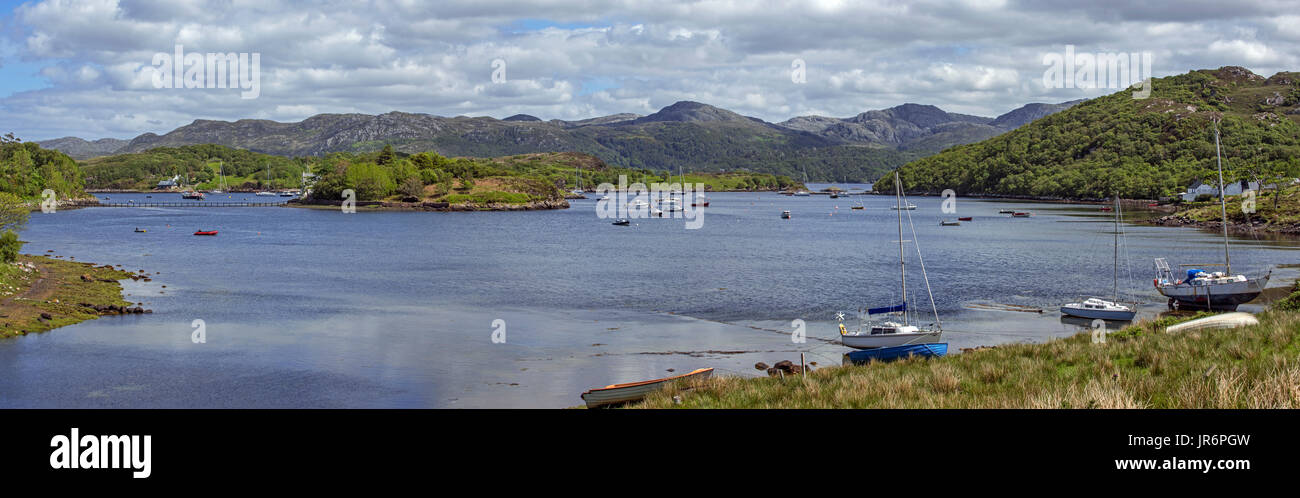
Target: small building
(1198, 188)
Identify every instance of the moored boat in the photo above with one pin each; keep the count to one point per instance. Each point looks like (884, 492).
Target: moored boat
(785, 215)
(206, 232)
(947, 223)
(895, 333)
(1021, 214)
(1097, 308)
(622, 223)
(633, 391)
(967, 218)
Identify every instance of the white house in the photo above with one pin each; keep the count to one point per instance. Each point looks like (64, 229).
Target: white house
(1235, 188)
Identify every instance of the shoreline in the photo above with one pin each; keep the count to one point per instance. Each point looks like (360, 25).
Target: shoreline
(1234, 228)
(42, 293)
(379, 206)
(1140, 366)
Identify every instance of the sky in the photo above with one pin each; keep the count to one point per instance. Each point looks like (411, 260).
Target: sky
(87, 68)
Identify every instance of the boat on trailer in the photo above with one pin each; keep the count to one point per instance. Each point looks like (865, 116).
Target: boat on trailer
(1200, 289)
(925, 350)
(614, 394)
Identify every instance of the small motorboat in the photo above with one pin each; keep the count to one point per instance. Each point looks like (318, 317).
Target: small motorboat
(785, 215)
(206, 232)
(265, 193)
(140, 230)
(1006, 211)
(1106, 208)
(968, 218)
(908, 207)
(858, 207)
(946, 223)
(196, 195)
(1019, 214)
(622, 223)
(622, 393)
(926, 350)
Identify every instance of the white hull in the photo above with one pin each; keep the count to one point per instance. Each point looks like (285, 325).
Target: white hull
(1224, 321)
(872, 341)
(622, 393)
(1119, 315)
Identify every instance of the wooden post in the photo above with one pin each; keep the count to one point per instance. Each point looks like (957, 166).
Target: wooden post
(803, 368)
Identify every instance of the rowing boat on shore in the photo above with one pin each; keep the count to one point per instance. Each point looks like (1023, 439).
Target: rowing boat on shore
(632, 391)
(1224, 321)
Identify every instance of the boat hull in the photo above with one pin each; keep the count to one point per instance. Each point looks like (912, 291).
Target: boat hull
(1116, 315)
(632, 391)
(927, 350)
(1224, 296)
(874, 341)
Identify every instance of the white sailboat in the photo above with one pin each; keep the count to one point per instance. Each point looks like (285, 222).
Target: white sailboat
(1200, 289)
(221, 170)
(804, 193)
(1097, 308)
(891, 333)
(267, 193)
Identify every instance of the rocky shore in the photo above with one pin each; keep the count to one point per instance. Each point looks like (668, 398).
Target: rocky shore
(1236, 228)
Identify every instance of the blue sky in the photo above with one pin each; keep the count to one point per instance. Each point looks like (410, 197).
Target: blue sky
(84, 68)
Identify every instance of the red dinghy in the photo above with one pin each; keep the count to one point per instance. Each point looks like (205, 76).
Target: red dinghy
(210, 232)
(968, 218)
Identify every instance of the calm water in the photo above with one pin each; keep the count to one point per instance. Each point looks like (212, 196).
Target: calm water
(315, 308)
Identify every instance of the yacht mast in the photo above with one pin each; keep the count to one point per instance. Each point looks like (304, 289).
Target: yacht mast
(902, 263)
(1223, 203)
(1116, 271)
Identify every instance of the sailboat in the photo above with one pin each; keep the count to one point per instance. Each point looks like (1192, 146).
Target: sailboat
(890, 333)
(1220, 290)
(578, 190)
(267, 193)
(221, 170)
(1100, 308)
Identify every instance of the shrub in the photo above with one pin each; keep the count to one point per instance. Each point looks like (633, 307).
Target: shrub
(9, 246)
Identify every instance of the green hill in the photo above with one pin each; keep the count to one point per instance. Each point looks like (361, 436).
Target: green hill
(26, 170)
(197, 165)
(1138, 148)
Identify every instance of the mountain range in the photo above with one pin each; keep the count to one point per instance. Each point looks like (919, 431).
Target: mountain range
(685, 135)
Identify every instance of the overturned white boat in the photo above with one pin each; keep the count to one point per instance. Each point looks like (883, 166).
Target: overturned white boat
(1224, 321)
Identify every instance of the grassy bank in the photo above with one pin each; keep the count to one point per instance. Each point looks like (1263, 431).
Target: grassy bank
(1274, 210)
(1138, 367)
(38, 293)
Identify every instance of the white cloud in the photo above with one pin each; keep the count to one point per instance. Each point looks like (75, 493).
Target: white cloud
(980, 57)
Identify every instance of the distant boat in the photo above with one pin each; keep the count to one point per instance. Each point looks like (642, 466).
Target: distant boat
(835, 195)
(700, 201)
(908, 207)
(890, 333)
(193, 195)
(670, 204)
(632, 391)
(1006, 211)
(1021, 214)
(968, 218)
(206, 232)
(288, 193)
(622, 223)
(139, 230)
(638, 204)
(950, 223)
(1097, 308)
(930, 349)
(1219, 290)
(802, 193)
(265, 193)
(785, 215)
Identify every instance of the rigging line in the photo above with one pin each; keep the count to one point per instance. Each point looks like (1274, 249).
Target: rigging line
(934, 307)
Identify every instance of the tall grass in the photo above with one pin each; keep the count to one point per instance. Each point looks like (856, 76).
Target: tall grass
(1139, 367)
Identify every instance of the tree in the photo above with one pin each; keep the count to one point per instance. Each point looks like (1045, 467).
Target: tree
(13, 212)
(385, 156)
(412, 187)
(9, 246)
